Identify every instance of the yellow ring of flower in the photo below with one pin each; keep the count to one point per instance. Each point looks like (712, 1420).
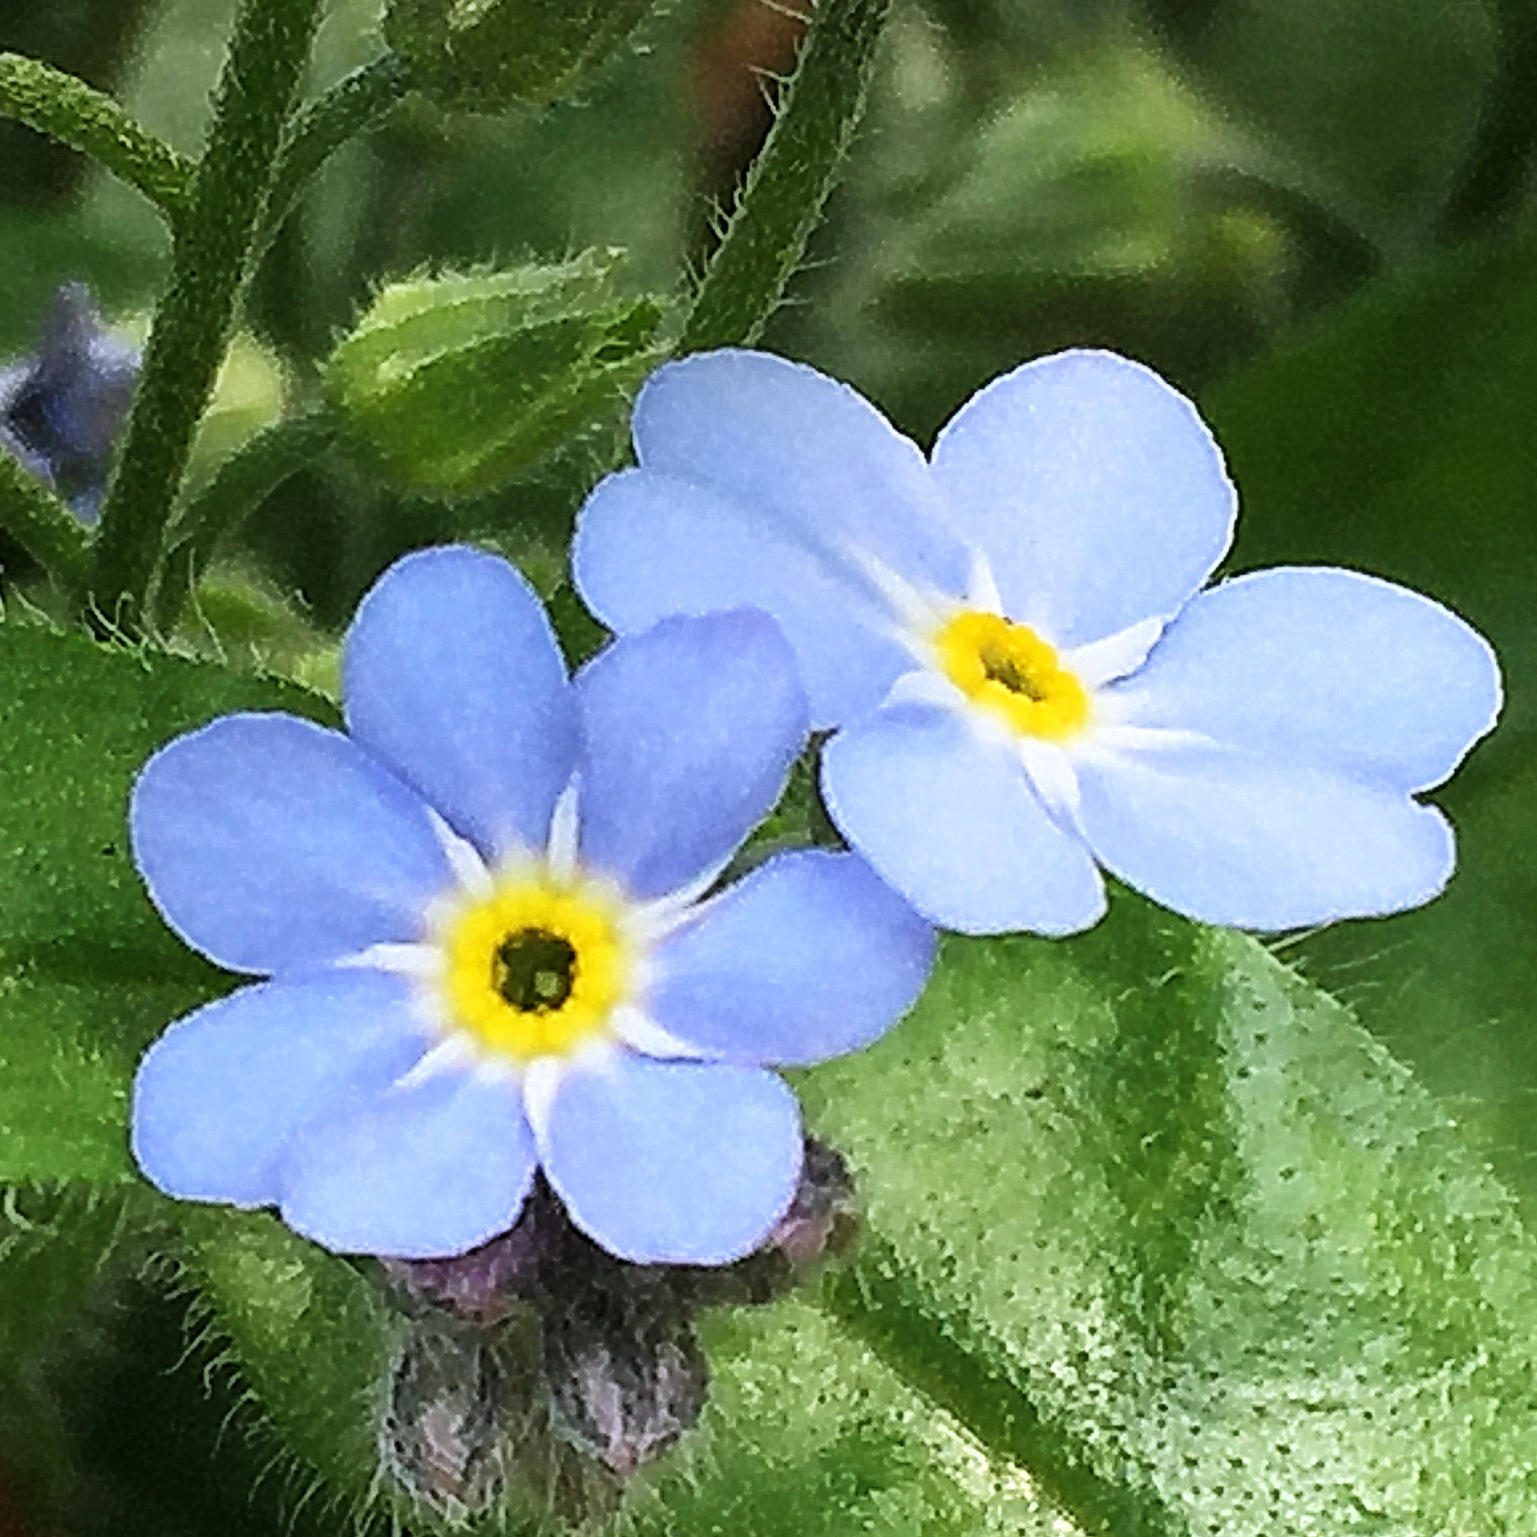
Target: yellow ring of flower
(596, 980)
(1008, 669)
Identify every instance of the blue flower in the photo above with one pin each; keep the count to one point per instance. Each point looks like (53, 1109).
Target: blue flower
(1030, 682)
(61, 410)
(485, 918)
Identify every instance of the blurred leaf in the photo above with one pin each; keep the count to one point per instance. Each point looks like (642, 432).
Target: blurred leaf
(88, 971)
(490, 54)
(1100, 200)
(1163, 1224)
(1402, 438)
(1374, 102)
(38, 252)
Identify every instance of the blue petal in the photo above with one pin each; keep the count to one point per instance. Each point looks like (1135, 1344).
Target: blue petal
(650, 544)
(421, 1171)
(810, 956)
(952, 822)
(677, 1163)
(271, 844)
(220, 1094)
(689, 732)
(1327, 666)
(1094, 489)
(808, 450)
(452, 675)
(1228, 838)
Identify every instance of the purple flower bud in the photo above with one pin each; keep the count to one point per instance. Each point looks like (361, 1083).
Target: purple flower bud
(452, 1398)
(626, 1373)
(484, 1285)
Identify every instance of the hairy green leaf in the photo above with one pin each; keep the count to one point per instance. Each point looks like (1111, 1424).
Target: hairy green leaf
(89, 973)
(1162, 1223)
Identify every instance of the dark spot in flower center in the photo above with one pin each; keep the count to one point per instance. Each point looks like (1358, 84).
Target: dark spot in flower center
(1004, 669)
(534, 970)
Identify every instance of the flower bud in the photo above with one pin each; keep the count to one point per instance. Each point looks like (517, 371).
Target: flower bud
(452, 1398)
(483, 1286)
(457, 383)
(626, 1373)
(485, 55)
(61, 409)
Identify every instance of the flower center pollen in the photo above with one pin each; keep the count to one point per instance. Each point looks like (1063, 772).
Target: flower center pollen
(536, 968)
(1007, 668)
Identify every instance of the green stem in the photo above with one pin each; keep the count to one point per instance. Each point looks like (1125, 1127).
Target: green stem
(67, 109)
(791, 179)
(354, 104)
(44, 527)
(267, 55)
(241, 483)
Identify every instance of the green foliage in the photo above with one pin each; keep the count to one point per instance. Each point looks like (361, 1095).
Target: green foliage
(458, 383)
(1374, 104)
(88, 972)
(485, 55)
(1164, 1224)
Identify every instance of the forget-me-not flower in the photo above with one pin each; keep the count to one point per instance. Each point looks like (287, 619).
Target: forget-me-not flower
(485, 920)
(61, 410)
(1013, 636)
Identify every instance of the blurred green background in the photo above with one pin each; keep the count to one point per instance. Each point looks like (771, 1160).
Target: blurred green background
(1316, 216)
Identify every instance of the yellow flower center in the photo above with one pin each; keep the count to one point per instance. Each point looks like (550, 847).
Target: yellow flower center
(536, 968)
(1010, 670)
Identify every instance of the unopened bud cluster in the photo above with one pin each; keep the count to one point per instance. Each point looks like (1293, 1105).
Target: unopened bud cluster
(540, 1360)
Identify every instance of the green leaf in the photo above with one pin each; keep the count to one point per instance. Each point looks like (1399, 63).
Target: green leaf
(1399, 438)
(1374, 103)
(89, 973)
(1165, 1225)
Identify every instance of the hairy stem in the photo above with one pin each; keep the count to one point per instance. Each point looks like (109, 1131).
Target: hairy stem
(267, 56)
(67, 109)
(792, 178)
(44, 527)
(241, 483)
(354, 104)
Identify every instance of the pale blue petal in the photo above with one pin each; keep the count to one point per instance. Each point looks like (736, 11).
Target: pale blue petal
(219, 1096)
(1231, 839)
(272, 844)
(650, 544)
(1327, 666)
(689, 732)
(452, 676)
(809, 450)
(421, 1171)
(1093, 488)
(952, 822)
(810, 956)
(679, 1163)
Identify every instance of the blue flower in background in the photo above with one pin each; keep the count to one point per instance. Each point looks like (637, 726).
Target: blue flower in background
(1028, 681)
(62, 409)
(484, 917)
